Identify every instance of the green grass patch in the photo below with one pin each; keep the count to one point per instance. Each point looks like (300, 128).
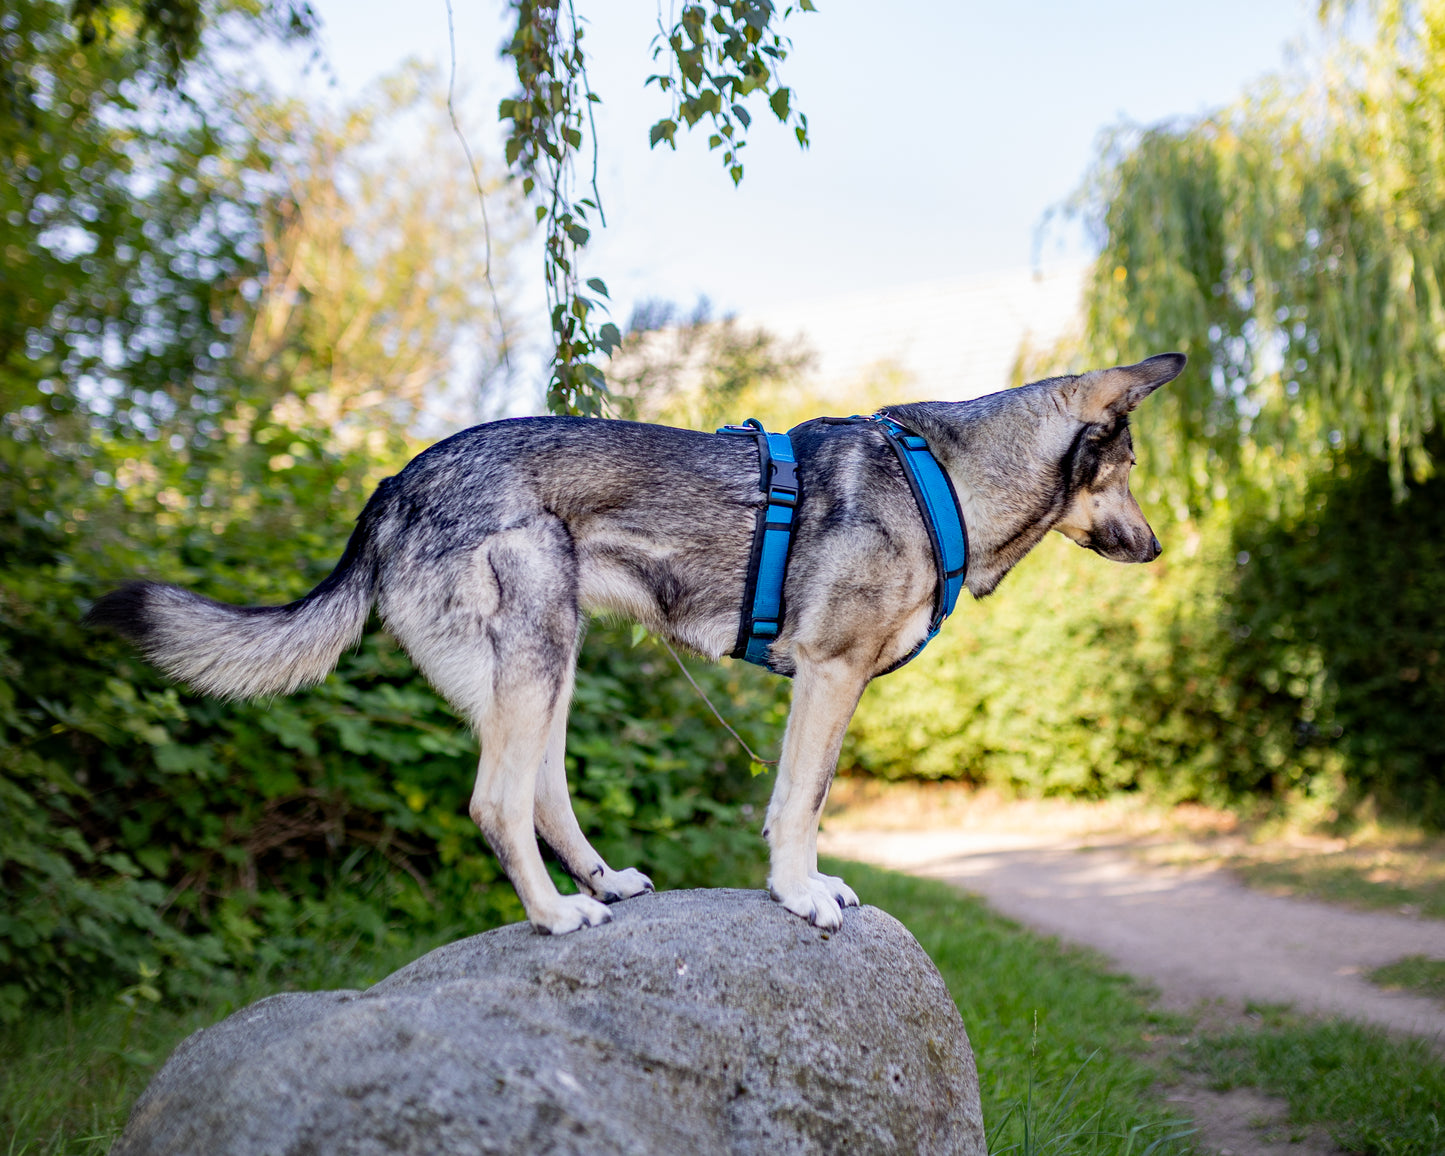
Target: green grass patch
(1409, 877)
(1417, 973)
(1062, 1043)
(1376, 1095)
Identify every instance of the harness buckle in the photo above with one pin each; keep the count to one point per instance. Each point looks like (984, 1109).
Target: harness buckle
(783, 483)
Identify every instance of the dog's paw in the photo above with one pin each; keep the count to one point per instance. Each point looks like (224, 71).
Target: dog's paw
(624, 884)
(570, 913)
(839, 890)
(813, 901)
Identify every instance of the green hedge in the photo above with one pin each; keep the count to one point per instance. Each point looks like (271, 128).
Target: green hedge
(1288, 658)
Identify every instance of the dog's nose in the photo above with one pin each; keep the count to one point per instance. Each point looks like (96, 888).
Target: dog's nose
(1155, 546)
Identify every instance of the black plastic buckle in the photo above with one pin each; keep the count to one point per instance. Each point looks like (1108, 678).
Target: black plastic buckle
(783, 484)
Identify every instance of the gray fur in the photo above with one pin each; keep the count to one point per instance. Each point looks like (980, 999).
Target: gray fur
(485, 552)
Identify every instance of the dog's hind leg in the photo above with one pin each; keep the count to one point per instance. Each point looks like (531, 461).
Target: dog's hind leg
(557, 824)
(824, 698)
(498, 637)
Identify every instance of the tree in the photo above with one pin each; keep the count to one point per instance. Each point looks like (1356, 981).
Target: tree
(1294, 245)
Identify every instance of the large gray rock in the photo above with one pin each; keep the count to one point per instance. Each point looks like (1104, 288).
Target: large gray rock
(695, 1022)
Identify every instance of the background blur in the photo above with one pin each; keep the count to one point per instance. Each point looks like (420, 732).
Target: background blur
(244, 279)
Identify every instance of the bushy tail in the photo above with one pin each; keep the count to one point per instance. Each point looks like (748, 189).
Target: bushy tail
(249, 651)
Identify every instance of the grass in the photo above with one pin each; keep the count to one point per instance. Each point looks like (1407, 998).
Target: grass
(1416, 973)
(1375, 874)
(1374, 1094)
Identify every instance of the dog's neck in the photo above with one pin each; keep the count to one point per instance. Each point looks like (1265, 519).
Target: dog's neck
(1003, 454)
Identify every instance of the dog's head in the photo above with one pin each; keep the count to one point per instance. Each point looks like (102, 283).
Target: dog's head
(1102, 514)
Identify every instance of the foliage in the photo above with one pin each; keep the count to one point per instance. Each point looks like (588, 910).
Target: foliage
(1376, 1095)
(715, 63)
(165, 36)
(1286, 648)
(1294, 659)
(376, 263)
(220, 318)
(1293, 245)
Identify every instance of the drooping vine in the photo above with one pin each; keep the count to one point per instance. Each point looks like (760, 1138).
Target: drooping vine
(718, 57)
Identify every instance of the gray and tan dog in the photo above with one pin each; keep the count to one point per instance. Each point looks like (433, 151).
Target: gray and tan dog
(485, 553)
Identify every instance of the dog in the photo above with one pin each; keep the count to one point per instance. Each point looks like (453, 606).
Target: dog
(485, 554)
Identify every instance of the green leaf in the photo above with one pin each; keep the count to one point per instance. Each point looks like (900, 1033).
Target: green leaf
(663, 130)
(596, 283)
(779, 103)
(756, 768)
(578, 234)
(638, 633)
(743, 115)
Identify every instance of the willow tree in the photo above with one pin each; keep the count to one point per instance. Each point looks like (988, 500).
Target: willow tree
(1294, 245)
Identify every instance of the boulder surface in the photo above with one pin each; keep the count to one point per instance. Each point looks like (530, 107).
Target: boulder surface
(696, 1022)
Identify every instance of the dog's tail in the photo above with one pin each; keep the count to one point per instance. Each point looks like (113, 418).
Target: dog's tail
(247, 651)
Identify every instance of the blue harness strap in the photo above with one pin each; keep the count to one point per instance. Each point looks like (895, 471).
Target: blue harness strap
(942, 518)
(762, 614)
(773, 539)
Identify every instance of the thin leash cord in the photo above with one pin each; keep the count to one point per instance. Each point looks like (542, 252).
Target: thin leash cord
(702, 694)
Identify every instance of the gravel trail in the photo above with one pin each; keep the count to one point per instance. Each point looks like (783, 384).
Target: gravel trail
(1194, 931)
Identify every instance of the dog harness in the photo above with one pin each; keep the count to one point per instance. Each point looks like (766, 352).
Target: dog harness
(762, 612)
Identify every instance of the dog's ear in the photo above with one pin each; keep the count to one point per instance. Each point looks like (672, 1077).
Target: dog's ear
(1108, 394)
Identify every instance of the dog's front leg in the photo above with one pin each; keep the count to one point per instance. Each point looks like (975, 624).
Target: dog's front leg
(824, 698)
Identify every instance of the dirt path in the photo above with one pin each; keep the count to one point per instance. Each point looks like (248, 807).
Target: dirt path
(1193, 931)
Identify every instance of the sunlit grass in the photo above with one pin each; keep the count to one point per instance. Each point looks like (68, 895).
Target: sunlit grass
(1374, 874)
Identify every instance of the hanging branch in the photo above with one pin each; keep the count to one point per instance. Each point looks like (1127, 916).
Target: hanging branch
(716, 63)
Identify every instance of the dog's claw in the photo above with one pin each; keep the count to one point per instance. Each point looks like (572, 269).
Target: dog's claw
(618, 885)
(840, 891)
(813, 901)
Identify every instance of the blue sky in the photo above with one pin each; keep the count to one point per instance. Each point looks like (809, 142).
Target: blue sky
(942, 132)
